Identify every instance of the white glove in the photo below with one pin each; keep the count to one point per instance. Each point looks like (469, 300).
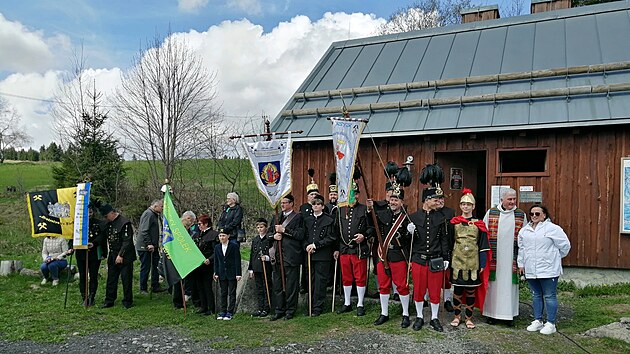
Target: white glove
(411, 227)
(446, 264)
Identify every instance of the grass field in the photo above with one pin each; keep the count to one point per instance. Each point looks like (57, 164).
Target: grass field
(26, 308)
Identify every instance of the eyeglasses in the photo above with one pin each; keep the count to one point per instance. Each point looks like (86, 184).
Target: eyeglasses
(536, 213)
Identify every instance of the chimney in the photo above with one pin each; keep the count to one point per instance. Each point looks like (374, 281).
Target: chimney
(480, 13)
(539, 6)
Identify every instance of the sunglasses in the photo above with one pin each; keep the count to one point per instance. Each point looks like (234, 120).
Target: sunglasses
(536, 213)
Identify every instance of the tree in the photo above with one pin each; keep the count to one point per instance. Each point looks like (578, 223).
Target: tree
(11, 133)
(166, 102)
(425, 14)
(91, 152)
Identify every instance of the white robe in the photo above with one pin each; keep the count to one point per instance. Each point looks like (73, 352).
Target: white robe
(502, 296)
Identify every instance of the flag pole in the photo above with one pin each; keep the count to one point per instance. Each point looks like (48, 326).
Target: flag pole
(86, 302)
(181, 285)
(65, 301)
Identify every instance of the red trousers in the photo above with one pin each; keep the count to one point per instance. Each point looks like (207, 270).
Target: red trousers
(353, 268)
(423, 279)
(399, 277)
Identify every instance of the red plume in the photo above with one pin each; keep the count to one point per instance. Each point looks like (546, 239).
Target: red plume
(466, 191)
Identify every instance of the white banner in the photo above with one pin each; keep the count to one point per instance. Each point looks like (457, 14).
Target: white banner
(345, 136)
(81, 220)
(271, 164)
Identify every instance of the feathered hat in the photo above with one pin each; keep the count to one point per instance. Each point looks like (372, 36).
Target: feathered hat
(311, 187)
(432, 175)
(355, 176)
(391, 169)
(402, 179)
(467, 197)
(332, 187)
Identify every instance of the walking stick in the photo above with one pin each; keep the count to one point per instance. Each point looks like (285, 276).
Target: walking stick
(334, 285)
(181, 284)
(65, 301)
(151, 270)
(310, 297)
(86, 301)
(266, 283)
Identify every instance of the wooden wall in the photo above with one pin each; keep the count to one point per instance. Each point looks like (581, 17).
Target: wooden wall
(582, 189)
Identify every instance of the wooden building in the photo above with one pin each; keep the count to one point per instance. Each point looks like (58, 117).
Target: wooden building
(540, 103)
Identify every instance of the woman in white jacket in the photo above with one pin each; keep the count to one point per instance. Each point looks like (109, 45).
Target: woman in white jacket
(541, 246)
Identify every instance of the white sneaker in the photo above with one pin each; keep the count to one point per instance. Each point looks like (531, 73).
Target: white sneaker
(55, 282)
(549, 328)
(535, 326)
(44, 281)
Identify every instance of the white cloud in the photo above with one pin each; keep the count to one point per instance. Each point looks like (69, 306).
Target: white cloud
(23, 50)
(191, 5)
(249, 7)
(258, 72)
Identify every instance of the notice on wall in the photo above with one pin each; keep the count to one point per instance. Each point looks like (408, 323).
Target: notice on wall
(457, 178)
(530, 197)
(495, 194)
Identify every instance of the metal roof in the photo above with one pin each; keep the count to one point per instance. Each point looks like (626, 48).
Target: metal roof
(591, 35)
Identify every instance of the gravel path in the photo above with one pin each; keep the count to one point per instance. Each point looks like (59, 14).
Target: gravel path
(170, 341)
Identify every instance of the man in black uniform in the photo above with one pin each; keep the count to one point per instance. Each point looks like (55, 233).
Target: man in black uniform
(355, 229)
(333, 193)
(260, 268)
(430, 255)
(287, 253)
(119, 233)
(447, 214)
(393, 255)
(321, 235)
(306, 209)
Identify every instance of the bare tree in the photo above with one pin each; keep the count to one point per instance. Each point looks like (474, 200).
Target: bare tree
(513, 8)
(424, 14)
(167, 100)
(11, 133)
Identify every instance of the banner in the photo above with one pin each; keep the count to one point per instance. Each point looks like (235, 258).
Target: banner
(345, 136)
(52, 212)
(177, 243)
(81, 219)
(271, 164)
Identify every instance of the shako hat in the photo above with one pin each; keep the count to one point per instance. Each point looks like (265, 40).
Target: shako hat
(311, 187)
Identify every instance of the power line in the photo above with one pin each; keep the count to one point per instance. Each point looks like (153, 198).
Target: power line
(30, 98)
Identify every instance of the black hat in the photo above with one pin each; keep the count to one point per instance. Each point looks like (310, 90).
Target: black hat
(389, 186)
(398, 192)
(290, 197)
(318, 197)
(311, 187)
(262, 221)
(222, 231)
(332, 187)
(431, 192)
(106, 209)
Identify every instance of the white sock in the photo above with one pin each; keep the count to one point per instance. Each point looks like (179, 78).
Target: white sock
(448, 295)
(404, 302)
(395, 288)
(384, 305)
(360, 295)
(346, 295)
(419, 305)
(426, 296)
(434, 310)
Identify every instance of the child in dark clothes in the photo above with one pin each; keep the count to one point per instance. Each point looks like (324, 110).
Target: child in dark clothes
(227, 271)
(260, 268)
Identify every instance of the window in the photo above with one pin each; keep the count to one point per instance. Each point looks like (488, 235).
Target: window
(522, 162)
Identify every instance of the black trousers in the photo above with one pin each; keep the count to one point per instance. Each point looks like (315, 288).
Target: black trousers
(123, 271)
(176, 291)
(203, 284)
(286, 301)
(261, 289)
(319, 279)
(92, 270)
(228, 295)
(304, 275)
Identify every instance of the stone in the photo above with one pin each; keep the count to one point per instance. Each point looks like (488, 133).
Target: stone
(17, 266)
(618, 330)
(6, 268)
(29, 272)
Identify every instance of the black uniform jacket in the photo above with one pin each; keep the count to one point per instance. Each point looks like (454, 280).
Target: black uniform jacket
(398, 249)
(292, 240)
(96, 237)
(430, 239)
(351, 221)
(119, 235)
(260, 246)
(321, 231)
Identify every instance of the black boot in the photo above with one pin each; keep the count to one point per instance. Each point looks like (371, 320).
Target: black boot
(90, 301)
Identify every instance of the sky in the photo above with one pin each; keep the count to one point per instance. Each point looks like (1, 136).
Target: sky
(260, 50)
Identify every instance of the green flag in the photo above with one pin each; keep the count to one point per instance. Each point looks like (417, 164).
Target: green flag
(176, 241)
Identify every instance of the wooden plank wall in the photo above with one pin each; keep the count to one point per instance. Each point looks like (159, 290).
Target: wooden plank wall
(581, 191)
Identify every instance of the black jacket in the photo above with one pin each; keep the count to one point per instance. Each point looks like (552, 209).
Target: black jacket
(321, 232)
(292, 240)
(351, 221)
(260, 246)
(230, 220)
(398, 249)
(119, 235)
(227, 266)
(430, 240)
(96, 237)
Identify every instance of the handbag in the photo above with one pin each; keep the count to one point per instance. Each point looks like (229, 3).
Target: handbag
(240, 235)
(436, 264)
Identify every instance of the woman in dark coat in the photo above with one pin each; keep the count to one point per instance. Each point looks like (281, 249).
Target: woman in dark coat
(231, 218)
(205, 240)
